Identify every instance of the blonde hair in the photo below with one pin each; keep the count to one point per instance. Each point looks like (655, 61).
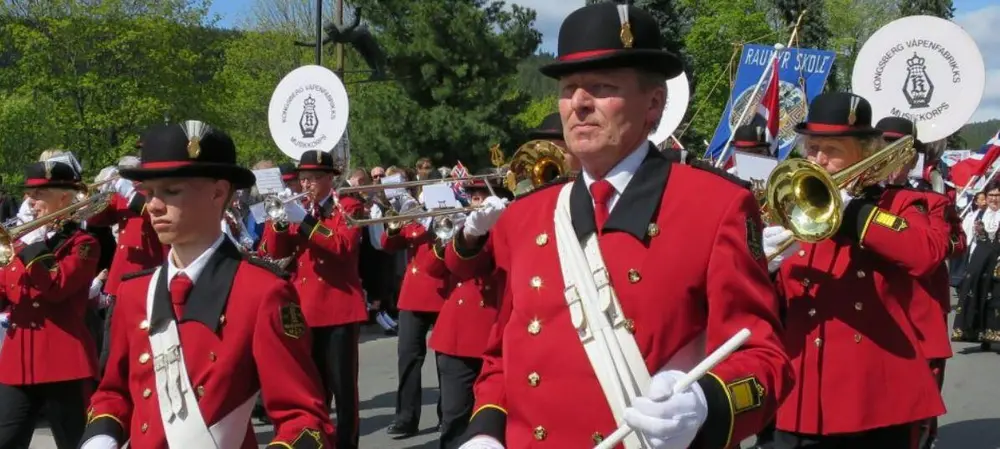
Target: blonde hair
(394, 170)
(51, 153)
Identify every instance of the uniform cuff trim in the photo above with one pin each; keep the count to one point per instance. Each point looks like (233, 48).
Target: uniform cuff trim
(717, 432)
(47, 260)
(439, 251)
(489, 420)
(464, 253)
(279, 228)
(104, 424)
(857, 218)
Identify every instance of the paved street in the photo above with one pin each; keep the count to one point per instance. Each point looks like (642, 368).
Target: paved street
(972, 393)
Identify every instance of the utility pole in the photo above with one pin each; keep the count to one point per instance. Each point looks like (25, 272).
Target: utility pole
(319, 32)
(340, 46)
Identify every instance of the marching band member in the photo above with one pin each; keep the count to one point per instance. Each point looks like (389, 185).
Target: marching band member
(543, 380)
(461, 331)
(326, 254)
(182, 330)
(49, 358)
(931, 300)
(421, 296)
(849, 353)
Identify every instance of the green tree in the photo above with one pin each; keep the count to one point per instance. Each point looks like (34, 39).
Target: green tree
(814, 31)
(537, 110)
(851, 23)
(938, 8)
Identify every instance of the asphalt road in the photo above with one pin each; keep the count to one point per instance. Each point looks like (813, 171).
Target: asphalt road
(972, 393)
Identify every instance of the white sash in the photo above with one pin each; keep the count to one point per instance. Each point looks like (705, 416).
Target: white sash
(183, 423)
(598, 318)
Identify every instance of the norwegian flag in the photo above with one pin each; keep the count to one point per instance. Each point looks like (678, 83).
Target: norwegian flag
(770, 108)
(459, 171)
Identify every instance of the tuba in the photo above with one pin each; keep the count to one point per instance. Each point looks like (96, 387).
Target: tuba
(535, 164)
(803, 198)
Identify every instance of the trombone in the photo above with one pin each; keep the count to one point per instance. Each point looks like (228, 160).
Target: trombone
(408, 184)
(77, 211)
(803, 198)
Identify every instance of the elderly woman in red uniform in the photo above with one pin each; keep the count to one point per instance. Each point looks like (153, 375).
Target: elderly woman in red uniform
(862, 379)
(49, 357)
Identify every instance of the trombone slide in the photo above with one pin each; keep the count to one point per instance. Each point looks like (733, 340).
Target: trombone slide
(411, 216)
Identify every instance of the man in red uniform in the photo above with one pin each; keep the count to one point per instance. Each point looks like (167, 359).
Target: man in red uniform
(420, 299)
(615, 285)
(326, 252)
(931, 299)
(49, 358)
(195, 340)
(862, 380)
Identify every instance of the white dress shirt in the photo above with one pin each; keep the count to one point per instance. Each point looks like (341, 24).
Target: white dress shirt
(620, 175)
(991, 222)
(194, 269)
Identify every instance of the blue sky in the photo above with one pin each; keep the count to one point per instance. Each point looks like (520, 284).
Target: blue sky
(978, 17)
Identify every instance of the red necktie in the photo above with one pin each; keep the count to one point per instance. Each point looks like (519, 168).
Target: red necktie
(601, 191)
(180, 287)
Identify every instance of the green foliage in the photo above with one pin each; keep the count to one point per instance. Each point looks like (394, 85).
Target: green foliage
(851, 23)
(531, 81)
(938, 8)
(977, 134)
(536, 111)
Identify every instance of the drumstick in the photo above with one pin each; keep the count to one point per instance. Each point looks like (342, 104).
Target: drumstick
(690, 378)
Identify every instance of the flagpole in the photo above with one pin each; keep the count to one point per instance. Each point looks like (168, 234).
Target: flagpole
(972, 182)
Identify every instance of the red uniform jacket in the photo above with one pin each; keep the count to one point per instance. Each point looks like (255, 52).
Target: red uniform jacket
(463, 326)
(685, 271)
(138, 246)
(858, 362)
(326, 254)
(242, 331)
(420, 292)
(46, 288)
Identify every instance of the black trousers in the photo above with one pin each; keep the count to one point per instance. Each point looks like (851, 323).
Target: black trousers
(411, 349)
(335, 350)
(104, 344)
(457, 375)
(64, 404)
(905, 436)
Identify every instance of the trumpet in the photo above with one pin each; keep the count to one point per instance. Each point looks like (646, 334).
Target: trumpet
(274, 206)
(77, 211)
(803, 198)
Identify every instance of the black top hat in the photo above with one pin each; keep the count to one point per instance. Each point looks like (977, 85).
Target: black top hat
(893, 128)
(550, 128)
(838, 114)
(190, 149)
(51, 174)
(751, 137)
(318, 160)
(288, 172)
(607, 35)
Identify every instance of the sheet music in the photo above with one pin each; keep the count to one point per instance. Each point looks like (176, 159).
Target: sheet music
(751, 167)
(394, 179)
(437, 196)
(269, 181)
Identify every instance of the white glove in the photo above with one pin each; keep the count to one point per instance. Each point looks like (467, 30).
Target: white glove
(482, 442)
(100, 442)
(95, 288)
(124, 187)
(479, 222)
(669, 421)
(774, 236)
(4, 320)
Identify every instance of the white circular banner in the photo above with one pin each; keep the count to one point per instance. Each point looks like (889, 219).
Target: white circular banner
(922, 68)
(678, 96)
(308, 111)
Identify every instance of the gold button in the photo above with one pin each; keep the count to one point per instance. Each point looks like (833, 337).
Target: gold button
(802, 253)
(486, 288)
(540, 433)
(222, 319)
(121, 246)
(861, 274)
(536, 282)
(542, 239)
(458, 284)
(819, 342)
(144, 427)
(32, 325)
(200, 391)
(597, 437)
(144, 324)
(858, 306)
(806, 282)
(630, 326)
(812, 312)
(534, 327)
(144, 358)
(534, 379)
(413, 270)
(482, 303)
(212, 356)
(857, 338)
(460, 301)
(35, 304)
(653, 230)
(633, 276)
(147, 393)
(321, 261)
(413, 234)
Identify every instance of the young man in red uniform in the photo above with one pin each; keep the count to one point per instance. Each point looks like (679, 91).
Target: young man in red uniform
(584, 342)
(421, 296)
(931, 300)
(862, 380)
(49, 358)
(195, 340)
(326, 252)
